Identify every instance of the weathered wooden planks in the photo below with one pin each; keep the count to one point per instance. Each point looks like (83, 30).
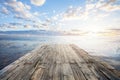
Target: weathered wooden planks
(58, 62)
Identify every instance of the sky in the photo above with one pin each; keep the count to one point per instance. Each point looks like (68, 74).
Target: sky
(77, 16)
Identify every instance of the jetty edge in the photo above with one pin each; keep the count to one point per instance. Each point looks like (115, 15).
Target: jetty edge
(58, 62)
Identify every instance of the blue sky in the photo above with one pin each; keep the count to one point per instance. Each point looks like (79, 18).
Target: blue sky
(60, 15)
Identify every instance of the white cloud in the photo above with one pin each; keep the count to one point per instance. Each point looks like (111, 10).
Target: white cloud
(93, 15)
(19, 9)
(93, 9)
(103, 5)
(27, 26)
(36, 13)
(72, 13)
(27, 7)
(89, 6)
(110, 8)
(9, 26)
(4, 10)
(38, 2)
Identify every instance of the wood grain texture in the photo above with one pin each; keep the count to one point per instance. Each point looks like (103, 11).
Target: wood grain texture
(58, 62)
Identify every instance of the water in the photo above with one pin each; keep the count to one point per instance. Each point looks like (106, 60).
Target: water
(13, 47)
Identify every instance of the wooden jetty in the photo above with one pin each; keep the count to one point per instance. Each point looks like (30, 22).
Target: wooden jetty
(58, 62)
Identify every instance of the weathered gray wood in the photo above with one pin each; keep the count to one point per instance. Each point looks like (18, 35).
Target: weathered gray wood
(58, 62)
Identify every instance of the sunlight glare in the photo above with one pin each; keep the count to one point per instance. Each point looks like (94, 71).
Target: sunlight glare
(94, 31)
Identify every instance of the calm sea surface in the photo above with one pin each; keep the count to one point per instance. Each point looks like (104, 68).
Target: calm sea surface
(13, 47)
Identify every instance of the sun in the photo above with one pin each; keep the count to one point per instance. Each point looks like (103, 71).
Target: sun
(94, 31)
